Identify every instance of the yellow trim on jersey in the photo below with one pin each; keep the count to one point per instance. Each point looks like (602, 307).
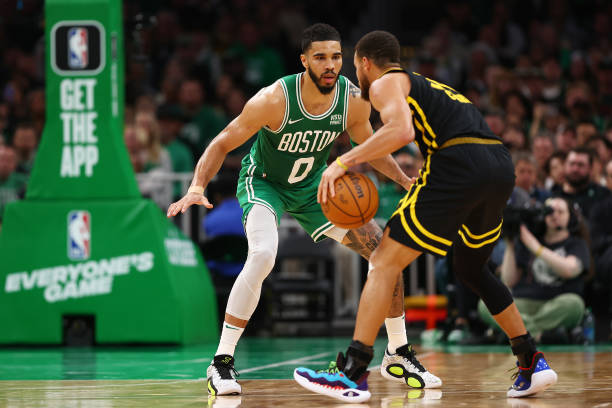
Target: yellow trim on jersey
(481, 244)
(413, 217)
(486, 234)
(417, 240)
(469, 140)
(416, 105)
(422, 129)
(398, 69)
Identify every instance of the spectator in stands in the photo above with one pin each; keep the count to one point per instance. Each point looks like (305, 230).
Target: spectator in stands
(578, 187)
(496, 122)
(585, 131)
(152, 176)
(263, 65)
(204, 123)
(545, 274)
(171, 120)
(565, 139)
(12, 183)
(25, 142)
(601, 238)
(513, 137)
(554, 171)
(542, 149)
(525, 169)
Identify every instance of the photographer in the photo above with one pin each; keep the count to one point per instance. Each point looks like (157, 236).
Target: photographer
(545, 274)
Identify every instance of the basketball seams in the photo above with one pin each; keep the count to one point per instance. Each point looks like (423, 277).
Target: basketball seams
(355, 200)
(342, 208)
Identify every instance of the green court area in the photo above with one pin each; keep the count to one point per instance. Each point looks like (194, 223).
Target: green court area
(256, 358)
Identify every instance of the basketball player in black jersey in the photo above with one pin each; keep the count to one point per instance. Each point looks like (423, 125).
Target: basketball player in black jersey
(457, 200)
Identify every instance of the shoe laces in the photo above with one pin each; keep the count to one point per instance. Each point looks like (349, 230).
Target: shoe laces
(410, 355)
(226, 371)
(331, 369)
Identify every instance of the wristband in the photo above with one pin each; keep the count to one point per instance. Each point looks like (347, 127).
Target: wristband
(539, 251)
(340, 163)
(196, 189)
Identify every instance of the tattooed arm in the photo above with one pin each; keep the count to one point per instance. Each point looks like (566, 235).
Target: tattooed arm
(360, 130)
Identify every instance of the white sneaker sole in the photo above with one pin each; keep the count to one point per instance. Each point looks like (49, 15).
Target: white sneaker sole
(539, 382)
(402, 380)
(361, 396)
(235, 389)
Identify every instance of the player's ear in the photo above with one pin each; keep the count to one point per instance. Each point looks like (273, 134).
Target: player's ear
(304, 61)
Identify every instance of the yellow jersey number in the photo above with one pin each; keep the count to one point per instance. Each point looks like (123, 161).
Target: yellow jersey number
(454, 95)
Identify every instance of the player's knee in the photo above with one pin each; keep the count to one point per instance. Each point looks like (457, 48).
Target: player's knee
(263, 257)
(382, 264)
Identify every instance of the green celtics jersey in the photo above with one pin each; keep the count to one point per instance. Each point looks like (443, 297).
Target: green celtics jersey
(297, 152)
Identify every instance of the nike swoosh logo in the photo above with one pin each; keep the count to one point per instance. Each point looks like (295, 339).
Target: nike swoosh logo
(230, 327)
(291, 122)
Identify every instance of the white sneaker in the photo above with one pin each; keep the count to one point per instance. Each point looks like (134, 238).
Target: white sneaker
(403, 366)
(221, 376)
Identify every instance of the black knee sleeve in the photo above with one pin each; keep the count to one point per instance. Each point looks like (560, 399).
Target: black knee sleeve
(474, 272)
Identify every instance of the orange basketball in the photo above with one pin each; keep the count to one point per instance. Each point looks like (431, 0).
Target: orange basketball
(355, 202)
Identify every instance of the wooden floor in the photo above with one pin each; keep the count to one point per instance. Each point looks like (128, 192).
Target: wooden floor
(470, 380)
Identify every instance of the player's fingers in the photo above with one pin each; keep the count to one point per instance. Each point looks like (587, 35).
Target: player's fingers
(332, 191)
(324, 191)
(206, 203)
(319, 193)
(173, 209)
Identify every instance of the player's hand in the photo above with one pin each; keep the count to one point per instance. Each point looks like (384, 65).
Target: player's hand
(327, 182)
(408, 183)
(187, 201)
(530, 241)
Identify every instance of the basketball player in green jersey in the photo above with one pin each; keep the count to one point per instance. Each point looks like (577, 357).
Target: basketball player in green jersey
(297, 119)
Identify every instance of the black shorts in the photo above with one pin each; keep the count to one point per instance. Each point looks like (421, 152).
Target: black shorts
(460, 194)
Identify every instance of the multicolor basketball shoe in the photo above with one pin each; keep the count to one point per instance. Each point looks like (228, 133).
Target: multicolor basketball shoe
(533, 379)
(404, 367)
(333, 382)
(221, 376)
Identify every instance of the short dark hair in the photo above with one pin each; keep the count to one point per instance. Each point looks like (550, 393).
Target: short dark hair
(583, 150)
(379, 46)
(557, 154)
(319, 32)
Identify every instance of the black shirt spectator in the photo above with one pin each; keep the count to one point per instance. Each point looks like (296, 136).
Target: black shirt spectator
(577, 186)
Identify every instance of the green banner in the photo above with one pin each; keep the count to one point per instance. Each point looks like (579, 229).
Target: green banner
(82, 153)
(121, 262)
(83, 242)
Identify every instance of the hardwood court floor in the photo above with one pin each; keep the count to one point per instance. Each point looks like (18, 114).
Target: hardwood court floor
(473, 377)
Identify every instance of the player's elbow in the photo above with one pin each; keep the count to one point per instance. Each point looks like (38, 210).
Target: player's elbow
(406, 134)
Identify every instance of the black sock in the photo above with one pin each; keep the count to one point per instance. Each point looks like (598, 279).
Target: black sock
(358, 357)
(523, 347)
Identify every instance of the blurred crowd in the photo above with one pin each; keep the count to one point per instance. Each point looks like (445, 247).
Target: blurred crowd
(539, 70)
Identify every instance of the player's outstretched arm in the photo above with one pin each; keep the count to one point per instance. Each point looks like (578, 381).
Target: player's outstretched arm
(262, 109)
(360, 130)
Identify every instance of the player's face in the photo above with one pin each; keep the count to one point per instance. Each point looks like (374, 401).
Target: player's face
(364, 82)
(323, 61)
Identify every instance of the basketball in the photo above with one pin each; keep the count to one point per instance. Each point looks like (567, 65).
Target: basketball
(355, 202)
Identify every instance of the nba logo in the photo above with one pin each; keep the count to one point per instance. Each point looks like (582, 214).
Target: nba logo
(79, 235)
(78, 51)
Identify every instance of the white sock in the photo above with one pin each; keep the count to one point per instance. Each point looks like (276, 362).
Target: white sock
(396, 332)
(229, 338)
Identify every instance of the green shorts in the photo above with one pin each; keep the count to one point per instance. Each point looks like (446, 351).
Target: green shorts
(300, 203)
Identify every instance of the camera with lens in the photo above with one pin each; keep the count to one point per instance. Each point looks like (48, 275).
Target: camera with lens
(530, 214)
